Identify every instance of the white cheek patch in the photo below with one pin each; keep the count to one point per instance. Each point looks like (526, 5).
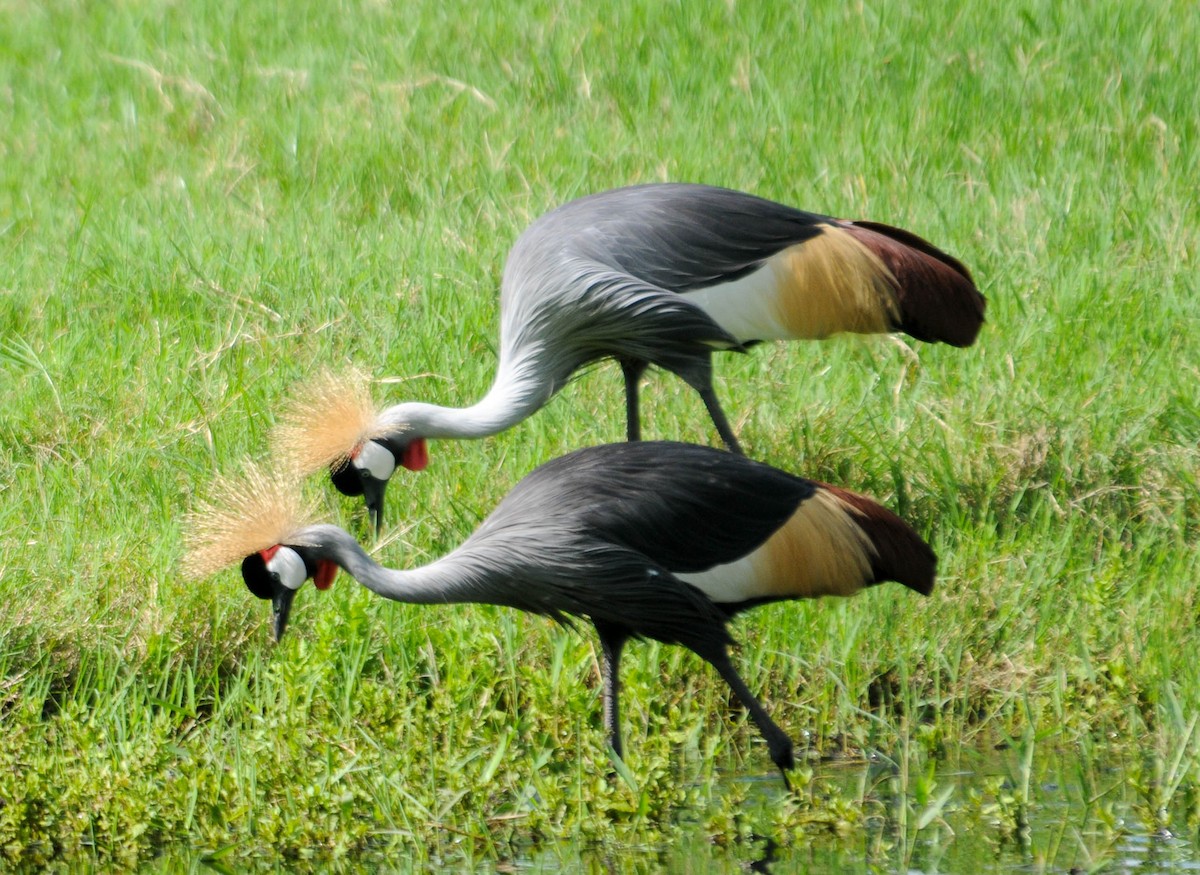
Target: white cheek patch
(376, 460)
(288, 565)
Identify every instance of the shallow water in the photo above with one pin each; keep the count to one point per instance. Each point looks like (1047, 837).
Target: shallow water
(996, 814)
(1002, 812)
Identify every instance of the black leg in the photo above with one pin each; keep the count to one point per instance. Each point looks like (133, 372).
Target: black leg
(612, 639)
(719, 420)
(697, 373)
(633, 370)
(779, 745)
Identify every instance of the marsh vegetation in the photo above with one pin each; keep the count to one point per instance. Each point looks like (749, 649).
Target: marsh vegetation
(202, 204)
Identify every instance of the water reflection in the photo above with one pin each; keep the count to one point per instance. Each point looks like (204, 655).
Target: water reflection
(1000, 813)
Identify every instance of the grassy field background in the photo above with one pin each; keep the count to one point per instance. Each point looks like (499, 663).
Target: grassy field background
(203, 203)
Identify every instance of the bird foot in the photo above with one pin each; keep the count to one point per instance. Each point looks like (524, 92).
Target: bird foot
(784, 759)
(787, 784)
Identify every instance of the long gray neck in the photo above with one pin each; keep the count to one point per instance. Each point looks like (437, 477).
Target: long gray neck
(439, 582)
(516, 394)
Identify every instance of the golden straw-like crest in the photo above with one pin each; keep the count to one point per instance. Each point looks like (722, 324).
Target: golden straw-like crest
(324, 421)
(243, 515)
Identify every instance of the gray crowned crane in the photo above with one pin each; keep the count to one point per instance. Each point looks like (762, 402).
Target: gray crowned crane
(646, 540)
(661, 274)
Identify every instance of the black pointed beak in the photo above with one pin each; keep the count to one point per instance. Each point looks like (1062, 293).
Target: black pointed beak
(281, 606)
(373, 491)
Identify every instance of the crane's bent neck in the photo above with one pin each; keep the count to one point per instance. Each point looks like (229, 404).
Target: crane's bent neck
(515, 395)
(437, 583)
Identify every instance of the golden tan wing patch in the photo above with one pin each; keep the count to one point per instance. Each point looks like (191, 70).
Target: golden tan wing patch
(831, 283)
(820, 550)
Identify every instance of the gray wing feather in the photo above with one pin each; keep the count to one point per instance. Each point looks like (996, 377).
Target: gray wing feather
(558, 576)
(584, 310)
(597, 533)
(602, 275)
(675, 237)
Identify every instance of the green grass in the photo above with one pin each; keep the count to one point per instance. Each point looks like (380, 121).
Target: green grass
(202, 203)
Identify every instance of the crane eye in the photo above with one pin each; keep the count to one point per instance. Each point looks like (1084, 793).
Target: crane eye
(287, 565)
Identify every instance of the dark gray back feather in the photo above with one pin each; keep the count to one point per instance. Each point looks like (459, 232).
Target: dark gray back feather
(677, 237)
(601, 276)
(600, 531)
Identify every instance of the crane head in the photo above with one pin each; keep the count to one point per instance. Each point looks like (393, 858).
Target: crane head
(371, 465)
(278, 572)
(332, 422)
(260, 519)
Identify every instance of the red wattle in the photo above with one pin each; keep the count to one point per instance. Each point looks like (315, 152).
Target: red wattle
(415, 456)
(326, 572)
